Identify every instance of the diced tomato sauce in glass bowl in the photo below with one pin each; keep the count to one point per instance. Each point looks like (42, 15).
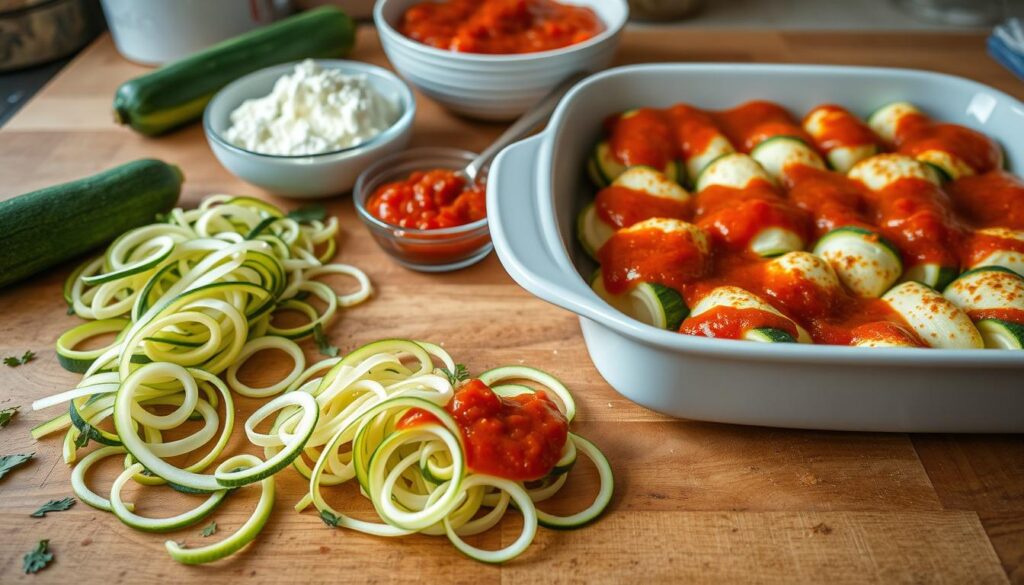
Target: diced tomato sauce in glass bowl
(422, 212)
(499, 27)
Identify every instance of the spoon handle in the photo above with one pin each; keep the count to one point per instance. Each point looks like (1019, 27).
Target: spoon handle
(523, 126)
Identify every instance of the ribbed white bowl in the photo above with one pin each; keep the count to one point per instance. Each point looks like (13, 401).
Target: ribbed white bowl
(495, 87)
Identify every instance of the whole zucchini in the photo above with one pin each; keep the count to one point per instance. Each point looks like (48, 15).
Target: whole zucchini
(46, 227)
(177, 93)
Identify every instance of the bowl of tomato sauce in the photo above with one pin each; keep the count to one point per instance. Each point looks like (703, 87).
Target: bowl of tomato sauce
(422, 211)
(493, 59)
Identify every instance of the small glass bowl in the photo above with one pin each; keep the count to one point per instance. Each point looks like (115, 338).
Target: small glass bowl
(440, 250)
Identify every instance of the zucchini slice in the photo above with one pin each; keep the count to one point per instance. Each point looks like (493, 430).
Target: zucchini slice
(999, 334)
(933, 275)
(603, 167)
(1006, 257)
(738, 298)
(936, 320)
(775, 241)
(948, 166)
(717, 147)
(778, 153)
(768, 335)
(882, 170)
(591, 231)
(840, 158)
(652, 182)
(864, 261)
(885, 120)
(734, 170)
(653, 304)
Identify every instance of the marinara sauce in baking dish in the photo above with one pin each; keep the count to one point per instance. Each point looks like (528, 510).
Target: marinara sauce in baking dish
(901, 231)
(499, 26)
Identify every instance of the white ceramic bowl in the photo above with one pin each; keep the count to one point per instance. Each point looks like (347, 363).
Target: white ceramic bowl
(495, 87)
(790, 385)
(307, 176)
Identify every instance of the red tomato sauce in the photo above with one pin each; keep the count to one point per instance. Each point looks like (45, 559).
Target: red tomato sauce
(499, 26)
(519, 438)
(643, 137)
(977, 246)
(915, 215)
(754, 122)
(1008, 314)
(841, 129)
(994, 199)
(831, 199)
(694, 129)
(650, 255)
(429, 200)
(622, 207)
(916, 134)
(733, 217)
(732, 323)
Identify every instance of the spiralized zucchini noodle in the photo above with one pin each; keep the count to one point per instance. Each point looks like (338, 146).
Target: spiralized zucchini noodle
(190, 300)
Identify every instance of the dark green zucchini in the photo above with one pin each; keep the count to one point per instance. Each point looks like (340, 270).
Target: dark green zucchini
(177, 93)
(46, 227)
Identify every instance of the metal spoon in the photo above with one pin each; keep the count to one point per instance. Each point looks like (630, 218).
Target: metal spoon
(524, 125)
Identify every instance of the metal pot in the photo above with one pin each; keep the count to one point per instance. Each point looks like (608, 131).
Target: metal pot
(38, 31)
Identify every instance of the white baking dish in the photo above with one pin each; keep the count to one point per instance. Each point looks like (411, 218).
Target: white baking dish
(537, 186)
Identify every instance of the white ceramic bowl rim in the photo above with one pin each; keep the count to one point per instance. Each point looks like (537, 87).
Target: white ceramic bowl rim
(407, 103)
(406, 157)
(611, 29)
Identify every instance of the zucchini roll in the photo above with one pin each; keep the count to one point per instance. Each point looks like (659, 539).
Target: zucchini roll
(699, 139)
(843, 138)
(642, 137)
(884, 334)
(992, 200)
(739, 205)
(803, 284)
(864, 261)
(915, 214)
(995, 247)
(663, 251)
(993, 298)
(639, 193)
(730, 312)
(935, 319)
(651, 303)
(956, 151)
(780, 154)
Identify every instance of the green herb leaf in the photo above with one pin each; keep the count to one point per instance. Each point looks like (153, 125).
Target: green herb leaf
(7, 414)
(323, 343)
(315, 212)
(460, 374)
(209, 530)
(37, 558)
(83, 436)
(329, 518)
(24, 359)
(9, 462)
(54, 506)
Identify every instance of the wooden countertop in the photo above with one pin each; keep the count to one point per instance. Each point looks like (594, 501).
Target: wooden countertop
(695, 502)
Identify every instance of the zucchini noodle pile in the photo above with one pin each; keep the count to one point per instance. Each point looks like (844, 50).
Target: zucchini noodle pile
(190, 301)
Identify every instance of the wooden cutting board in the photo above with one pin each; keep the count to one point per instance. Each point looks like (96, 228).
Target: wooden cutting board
(695, 502)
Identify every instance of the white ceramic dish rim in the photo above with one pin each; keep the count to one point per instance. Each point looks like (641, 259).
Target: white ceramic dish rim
(386, 29)
(407, 104)
(584, 302)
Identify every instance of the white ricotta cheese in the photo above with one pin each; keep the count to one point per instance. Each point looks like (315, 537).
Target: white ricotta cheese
(311, 111)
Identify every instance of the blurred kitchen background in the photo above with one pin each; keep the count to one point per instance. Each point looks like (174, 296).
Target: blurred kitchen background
(38, 37)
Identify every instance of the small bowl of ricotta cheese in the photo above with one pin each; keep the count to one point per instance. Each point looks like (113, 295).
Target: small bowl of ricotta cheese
(308, 129)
